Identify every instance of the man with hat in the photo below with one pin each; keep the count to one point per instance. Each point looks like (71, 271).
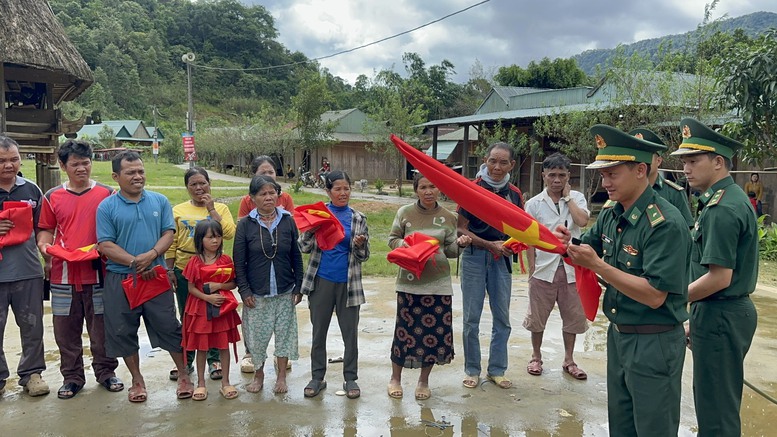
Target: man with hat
(669, 190)
(643, 242)
(724, 270)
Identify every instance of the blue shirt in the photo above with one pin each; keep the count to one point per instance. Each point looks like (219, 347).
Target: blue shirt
(334, 262)
(134, 226)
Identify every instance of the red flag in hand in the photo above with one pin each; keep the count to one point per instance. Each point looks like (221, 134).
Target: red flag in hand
(221, 274)
(588, 288)
(330, 231)
(142, 291)
(414, 257)
(20, 213)
(86, 253)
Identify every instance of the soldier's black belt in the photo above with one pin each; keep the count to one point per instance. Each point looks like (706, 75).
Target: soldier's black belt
(644, 329)
(722, 297)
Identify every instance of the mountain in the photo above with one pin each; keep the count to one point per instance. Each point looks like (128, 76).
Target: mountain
(752, 24)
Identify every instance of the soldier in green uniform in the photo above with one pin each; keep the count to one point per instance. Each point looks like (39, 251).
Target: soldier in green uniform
(724, 270)
(669, 190)
(640, 245)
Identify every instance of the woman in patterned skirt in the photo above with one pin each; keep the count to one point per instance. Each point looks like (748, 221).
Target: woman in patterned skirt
(423, 335)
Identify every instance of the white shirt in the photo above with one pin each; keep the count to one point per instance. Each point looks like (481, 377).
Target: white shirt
(542, 208)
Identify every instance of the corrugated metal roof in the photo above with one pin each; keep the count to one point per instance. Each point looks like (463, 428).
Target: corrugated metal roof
(458, 135)
(444, 149)
(519, 113)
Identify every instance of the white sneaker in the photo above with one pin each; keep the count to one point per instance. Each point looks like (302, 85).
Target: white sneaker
(36, 386)
(247, 364)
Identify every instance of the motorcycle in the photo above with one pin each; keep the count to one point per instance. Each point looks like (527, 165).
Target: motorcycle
(307, 179)
(321, 181)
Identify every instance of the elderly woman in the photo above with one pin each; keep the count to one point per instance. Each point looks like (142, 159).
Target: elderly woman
(262, 165)
(423, 333)
(200, 206)
(268, 269)
(333, 281)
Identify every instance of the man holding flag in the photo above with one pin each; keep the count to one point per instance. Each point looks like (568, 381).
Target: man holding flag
(67, 221)
(643, 243)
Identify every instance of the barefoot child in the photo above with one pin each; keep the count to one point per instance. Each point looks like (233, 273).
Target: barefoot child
(206, 324)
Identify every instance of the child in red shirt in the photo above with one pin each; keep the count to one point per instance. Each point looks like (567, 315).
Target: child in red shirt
(211, 276)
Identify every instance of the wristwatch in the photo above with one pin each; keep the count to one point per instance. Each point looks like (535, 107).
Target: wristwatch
(565, 198)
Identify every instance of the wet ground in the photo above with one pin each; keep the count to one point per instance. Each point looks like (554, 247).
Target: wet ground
(550, 405)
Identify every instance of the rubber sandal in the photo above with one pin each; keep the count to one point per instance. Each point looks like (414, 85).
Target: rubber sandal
(173, 376)
(229, 392)
(185, 389)
(36, 386)
(137, 393)
(500, 381)
(422, 393)
(534, 367)
(247, 364)
(214, 369)
(113, 384)
(352, 390)
(395, 391)
(314, 387)
(200, 394)
(471, 381)
(69, 390)
(576, 372)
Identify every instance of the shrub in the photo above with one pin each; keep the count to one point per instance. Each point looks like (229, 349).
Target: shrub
(767, 239)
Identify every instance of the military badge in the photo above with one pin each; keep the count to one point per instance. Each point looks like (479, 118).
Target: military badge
(628, 248)
(639, 136)
(686, 131)
(600, 144)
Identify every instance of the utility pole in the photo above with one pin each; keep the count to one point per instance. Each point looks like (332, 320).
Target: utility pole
(155, 144)
(188, 58)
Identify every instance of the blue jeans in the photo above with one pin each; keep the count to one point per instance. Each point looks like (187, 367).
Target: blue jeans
(481, 274)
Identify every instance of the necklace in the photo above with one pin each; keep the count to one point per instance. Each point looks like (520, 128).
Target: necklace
(268, 216)
(274, 241)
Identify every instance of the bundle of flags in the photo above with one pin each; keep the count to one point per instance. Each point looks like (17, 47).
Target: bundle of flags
(86, 253)
(330, 231)
(419, 250)
(20, 213)
(220, 274)
(500, 214)
(140, 291)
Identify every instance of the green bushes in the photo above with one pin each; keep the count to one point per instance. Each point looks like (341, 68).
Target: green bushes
(767, 239)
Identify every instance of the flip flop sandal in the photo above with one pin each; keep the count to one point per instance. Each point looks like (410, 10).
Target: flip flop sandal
(173, 375)
(500, 381)
(214, 369)
(137, 393)
(229, 392)
(113, 384)
(185, 390)
(352, 390)
(314, 387)
(395, 391)
(471, 381)
(200, 394)
(69, 390)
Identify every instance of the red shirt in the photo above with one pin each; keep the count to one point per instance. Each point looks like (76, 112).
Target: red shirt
(246, 204)
(71, 217)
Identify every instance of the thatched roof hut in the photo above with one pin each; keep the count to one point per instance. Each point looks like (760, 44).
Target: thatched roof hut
(40, 68)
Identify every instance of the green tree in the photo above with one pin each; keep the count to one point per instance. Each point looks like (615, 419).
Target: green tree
(559, 73)
(749, 86)
(312, 101)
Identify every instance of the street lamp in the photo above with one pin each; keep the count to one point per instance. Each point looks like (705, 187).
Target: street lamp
(188, 58)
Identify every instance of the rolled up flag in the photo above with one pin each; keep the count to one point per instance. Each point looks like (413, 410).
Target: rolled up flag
(86, 253)
(516, 247)
(220, 274)
(140, 291)
(420, 249)
(498, 213)
(20, 213)
(330, 231)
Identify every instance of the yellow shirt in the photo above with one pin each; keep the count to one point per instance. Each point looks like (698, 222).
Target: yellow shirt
(755, 187)
(186, 217)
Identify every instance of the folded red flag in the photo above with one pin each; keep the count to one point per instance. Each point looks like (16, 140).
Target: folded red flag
(143, 291)
(330, 232)
(421, 248)
(86, 253)
(221, 274)
(588, 288)
(516, 247)
(20, 213)
(490, 208)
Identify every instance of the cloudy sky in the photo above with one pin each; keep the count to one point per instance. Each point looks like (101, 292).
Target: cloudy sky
(496, 33)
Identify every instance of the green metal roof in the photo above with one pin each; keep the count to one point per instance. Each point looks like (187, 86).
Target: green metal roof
(444, 149)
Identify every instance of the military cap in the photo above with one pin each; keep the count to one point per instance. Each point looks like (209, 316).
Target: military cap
(700, 138)
(647, 135)
(616, 147)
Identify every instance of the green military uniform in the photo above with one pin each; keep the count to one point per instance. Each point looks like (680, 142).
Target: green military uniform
(723, 324)
(645, 346)
(667, 189)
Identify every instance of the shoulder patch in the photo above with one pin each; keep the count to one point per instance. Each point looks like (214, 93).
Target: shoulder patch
(654, 215)
(609, 204)
(674, 185)
(716, 197)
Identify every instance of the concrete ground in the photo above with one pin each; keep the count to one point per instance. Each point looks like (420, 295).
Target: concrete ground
(550, 405)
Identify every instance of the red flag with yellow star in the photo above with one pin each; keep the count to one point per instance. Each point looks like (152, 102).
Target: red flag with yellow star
(498, 213)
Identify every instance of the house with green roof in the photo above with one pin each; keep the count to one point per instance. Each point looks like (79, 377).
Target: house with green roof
(126, 133)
